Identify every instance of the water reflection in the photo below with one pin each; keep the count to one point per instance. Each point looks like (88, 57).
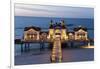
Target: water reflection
(37, 56)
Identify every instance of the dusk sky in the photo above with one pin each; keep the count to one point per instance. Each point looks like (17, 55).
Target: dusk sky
(53, 11)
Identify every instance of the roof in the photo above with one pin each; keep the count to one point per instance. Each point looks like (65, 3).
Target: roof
(80, 27)
(32, 27)
(44, 32)
(51, 26)
(70, 32)
(57, 26)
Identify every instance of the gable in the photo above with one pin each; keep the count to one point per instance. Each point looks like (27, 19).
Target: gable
(31, 31)
(81, 30)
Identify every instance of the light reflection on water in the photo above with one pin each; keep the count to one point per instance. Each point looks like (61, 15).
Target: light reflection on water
(36, 47)
(41, 57)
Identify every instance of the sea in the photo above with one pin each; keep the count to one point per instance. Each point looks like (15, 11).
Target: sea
(43, 22)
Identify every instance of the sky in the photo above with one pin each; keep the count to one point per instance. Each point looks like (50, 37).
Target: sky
(34, 10)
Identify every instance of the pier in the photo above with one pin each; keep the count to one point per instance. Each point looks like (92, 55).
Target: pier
(57, 37)
(68, 44)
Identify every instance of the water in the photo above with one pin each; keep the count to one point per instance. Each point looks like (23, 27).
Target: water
(43, 57)
(43, 22)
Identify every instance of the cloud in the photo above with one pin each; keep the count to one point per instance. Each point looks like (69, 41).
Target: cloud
(53, 11)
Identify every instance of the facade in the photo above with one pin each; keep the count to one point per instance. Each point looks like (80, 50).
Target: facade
(71, 36)
(81, 33)
(31, 33)
(56, 30)
(43, 36)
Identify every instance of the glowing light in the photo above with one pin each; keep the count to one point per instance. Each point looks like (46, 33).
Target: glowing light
(88, 46)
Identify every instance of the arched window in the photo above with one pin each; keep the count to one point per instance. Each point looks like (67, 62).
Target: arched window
(81, 35)
(32, 36)
(71, 36)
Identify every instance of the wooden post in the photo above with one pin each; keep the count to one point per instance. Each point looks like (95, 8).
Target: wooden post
(25, 47)
(41, 45)
(28, 47)
(21, 47)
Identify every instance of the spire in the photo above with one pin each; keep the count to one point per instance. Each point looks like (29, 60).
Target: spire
(51, 24)
(62, 22)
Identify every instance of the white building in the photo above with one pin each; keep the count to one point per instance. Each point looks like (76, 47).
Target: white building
(31, 33)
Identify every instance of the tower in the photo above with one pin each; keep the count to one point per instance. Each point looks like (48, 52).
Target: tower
(51, 31)
(64, 36)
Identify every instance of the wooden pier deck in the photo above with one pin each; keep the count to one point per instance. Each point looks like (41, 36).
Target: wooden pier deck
(25, 45)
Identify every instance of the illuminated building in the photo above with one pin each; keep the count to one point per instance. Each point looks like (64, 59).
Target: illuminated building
(57, 34)
(71, 36)
(57, 30)
(81, 33)
(31, 33)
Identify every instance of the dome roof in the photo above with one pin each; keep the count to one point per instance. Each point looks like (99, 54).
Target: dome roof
(32, 27)
(80, 27)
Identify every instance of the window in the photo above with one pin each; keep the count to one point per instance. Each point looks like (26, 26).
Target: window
(81, 35)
